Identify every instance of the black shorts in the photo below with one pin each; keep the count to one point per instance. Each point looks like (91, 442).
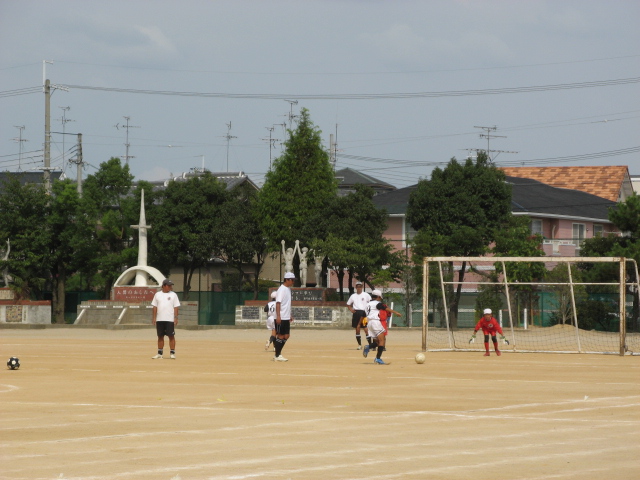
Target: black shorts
(283, 328)
(357, 316)
(165, 328)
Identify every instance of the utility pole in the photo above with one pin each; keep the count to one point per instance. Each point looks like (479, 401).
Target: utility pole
(489, 136)
(79, 163)
(47, 136)
(20, 141)
(228, 136)
(332, 151)
(126, 144)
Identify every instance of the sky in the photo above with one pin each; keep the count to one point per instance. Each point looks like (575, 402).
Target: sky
(404, 86)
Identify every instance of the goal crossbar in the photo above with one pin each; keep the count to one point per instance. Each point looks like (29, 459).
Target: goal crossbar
(621, 284)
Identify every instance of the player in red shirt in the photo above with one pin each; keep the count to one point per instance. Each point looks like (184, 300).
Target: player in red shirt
(489, 326)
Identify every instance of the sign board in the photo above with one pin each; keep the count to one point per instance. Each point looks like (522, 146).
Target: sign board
(133, 294)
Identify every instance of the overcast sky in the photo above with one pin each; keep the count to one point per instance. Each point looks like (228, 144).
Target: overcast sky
(402, 84)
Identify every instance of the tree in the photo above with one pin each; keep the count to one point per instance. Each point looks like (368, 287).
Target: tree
(107, 199)
(459, 212)
(299, 191)
(240, 235)
(22, 211)
(185, 225)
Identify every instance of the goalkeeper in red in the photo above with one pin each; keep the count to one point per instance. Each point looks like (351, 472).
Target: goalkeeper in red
(490, 326)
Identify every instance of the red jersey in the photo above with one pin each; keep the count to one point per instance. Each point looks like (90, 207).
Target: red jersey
(489, 326)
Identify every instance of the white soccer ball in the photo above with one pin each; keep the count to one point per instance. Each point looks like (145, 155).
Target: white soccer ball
(420, 358)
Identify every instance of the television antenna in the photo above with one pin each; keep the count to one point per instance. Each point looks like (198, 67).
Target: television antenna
(126, 144)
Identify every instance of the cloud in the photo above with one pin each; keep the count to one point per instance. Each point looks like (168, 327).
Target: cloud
(399, 43)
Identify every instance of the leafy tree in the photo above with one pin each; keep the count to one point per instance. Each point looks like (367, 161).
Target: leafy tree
(107, 199)
(355, 245)
(459, 212)
(299, 191)
(185, 225)
(22, 211)
(241, 238)
(562, 293)
(70, 240)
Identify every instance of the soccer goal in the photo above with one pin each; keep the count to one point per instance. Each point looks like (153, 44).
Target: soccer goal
(544, 304)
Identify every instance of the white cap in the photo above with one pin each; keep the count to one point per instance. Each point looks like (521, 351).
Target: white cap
(274, 294)
(376, 293)
(289, 275)
(487, 310)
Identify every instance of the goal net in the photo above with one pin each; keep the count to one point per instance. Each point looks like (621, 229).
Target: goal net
(544, 304)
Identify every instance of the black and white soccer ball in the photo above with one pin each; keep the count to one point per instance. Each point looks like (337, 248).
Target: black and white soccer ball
(13, 363)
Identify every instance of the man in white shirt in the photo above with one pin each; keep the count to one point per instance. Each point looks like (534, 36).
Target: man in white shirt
(165, 316)
(283, 315)
(357, 305)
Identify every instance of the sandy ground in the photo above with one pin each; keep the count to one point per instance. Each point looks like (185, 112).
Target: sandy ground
(92, 404)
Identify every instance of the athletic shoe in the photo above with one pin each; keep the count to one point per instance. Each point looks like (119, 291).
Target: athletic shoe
(365, 352)
(173, 356)
(359, 347)
(487, 354)
(498, 352)
(379, 361)
(266, 345)
(281, 359)
(156, 356)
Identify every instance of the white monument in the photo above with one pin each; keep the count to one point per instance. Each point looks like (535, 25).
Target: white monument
(288, 255)
(141, 273)
(302, 254)
(5, 272)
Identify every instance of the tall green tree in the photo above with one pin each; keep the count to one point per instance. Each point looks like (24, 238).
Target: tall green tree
(299, 191)
(107, 199)
(185, 224)
(459, 211)
(23, 213)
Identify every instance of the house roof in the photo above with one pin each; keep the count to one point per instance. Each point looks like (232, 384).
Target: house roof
(29, 177)
(537, 199)
(348, 178)
(231, 179)
(611, 182)
(529, 197)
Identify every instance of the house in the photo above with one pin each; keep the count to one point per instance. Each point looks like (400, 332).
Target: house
(26, 178)
(348, 178)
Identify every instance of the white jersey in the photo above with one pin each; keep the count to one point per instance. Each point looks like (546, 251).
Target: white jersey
(359, 301)
(165, 302)
(271, 310)
(283, 297)
(372, 310)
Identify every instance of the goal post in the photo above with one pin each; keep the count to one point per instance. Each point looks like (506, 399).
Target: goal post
(544, 304)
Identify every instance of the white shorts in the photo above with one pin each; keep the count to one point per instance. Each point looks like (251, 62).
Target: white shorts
(271, 323)
(375, 327)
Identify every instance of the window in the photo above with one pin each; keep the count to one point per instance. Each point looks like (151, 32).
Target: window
(598, 230)
(579, 230)
(536, 227)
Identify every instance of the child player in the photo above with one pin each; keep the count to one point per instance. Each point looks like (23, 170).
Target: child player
(489, 326)
(270, 309)
(375, 310)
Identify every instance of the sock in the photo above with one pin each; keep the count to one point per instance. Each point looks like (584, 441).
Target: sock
(159, 351)
(495, 346)
(369, 342)
(359, 339)
(278, 343)
(486, 346)
(173, 352)
(379, 354)
(272, 339)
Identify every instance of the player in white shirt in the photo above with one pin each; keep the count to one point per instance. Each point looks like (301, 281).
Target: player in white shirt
(165, 316)
(357, 305)
(283, 315)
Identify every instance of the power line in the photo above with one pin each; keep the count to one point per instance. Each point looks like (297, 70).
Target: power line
(370, 96)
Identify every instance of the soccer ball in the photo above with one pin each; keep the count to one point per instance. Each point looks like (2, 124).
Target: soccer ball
(13, 363)
(420, 358)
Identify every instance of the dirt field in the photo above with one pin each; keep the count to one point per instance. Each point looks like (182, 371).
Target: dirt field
(92, 404)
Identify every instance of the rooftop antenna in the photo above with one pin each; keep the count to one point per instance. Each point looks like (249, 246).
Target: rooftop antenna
(20, 141)
(272, 142)
(291, 115)
(64, 120)
(126, 144)
(228, 136)
(489, 136)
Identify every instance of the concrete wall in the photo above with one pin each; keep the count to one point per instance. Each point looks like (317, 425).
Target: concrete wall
(109, 312)
(26, 312)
